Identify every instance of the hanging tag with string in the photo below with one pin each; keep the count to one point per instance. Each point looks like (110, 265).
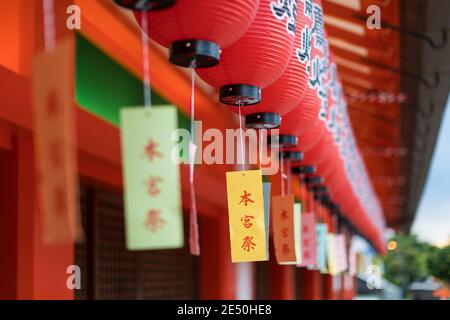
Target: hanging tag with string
(246, 211)
(153, 212)
(54, 134)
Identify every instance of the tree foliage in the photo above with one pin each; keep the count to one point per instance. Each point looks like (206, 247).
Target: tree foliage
(408, 262)
(439, 264)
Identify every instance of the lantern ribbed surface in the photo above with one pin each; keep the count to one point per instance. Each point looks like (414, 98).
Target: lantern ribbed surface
(218, 21)
(286, 93)
(259, 58)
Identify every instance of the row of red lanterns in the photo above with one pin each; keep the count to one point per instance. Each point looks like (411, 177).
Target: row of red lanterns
(271, 62)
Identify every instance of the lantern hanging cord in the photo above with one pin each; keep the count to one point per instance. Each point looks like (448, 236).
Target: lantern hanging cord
(261, 134)
(49, 25)
(288, 176)
(146, 62)
(192, 107)
(241, 136)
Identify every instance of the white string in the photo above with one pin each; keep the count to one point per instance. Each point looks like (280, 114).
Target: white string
(242, 136)
(260, 148)
(49, 25)
(146, 61)
(193, 65)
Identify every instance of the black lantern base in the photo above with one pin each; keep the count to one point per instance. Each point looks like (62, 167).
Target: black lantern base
(303, 170)
(265, 120)
(313, 180)
(240, 94)
(282, 141)
(322, 198)
(292, 155)
(319, 189)
(145, 5)
(194, 53)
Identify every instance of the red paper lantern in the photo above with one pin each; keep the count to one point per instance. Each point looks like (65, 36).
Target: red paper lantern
(286, 93)
(259, 58)
(304, 120)
(197, 30)
(145, 5)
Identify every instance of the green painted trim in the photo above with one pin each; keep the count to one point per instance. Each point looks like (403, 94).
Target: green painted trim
(102, 86)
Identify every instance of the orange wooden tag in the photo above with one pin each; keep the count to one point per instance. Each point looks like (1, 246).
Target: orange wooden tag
(283, 229)
(54, 137)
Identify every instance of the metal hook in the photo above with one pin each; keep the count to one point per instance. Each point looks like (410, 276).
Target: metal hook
(423, 36)
(425, 81)
(427, 114)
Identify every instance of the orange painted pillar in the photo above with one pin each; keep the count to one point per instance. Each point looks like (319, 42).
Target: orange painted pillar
(282, 281)
(217, 273)
(8, 222)
(328, 287)
(41, 269)
(311, 284)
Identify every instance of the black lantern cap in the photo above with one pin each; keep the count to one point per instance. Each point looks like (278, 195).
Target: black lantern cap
(266, 120)
(323, 198)
(303, 170)
(240, 94)
(282, 141)
(145, 5)
(194, 53)
(319, 189)
(335, 208)
(292, 155)
(313, 180)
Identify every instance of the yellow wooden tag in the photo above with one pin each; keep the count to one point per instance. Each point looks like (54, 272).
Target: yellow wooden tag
(246, 216)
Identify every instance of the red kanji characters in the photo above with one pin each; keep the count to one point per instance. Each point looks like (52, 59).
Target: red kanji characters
(56, 155)
(305, 229)
(245, 199)
(284, 215)
(246, 221)
(60, 201)
(152, 186)
(248, 244)
(286, 250)
(154, 221)
(285, 232)
(306, 254)
(151, 151)
(52, 105)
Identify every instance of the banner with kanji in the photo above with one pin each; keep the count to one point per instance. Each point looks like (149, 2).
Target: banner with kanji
(246, 216)
(283, 229)
(54, 140)
(153, 214)
(309, 242)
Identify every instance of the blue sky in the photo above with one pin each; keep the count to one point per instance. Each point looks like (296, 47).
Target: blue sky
(432, 221)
